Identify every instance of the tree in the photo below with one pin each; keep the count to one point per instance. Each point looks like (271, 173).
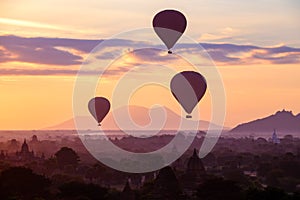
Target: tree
(22, 183)
(165, 186)
(66, 157)
(77, 190)
(218, 188)
(268, 193)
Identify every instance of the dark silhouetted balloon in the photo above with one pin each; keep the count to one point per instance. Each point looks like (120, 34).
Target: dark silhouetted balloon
(188, 88)
(169, 25)
(99, 107)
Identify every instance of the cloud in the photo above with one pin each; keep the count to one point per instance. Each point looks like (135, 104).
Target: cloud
(231, 54)
(45, 50)
(52, 51)
(32, 72)
(55, 71)
(24, 23)
(223, 34)
(63, 52)
(153, 55)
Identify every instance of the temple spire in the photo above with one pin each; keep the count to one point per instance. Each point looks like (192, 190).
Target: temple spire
(275, 139)
(195, 153)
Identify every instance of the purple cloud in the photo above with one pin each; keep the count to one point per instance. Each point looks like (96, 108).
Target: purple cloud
(231, 54)
(60, 52)
(49, 50)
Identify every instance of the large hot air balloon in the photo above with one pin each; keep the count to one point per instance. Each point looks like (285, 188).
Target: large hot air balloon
(99, 107)
(188, 87)
(169, 25)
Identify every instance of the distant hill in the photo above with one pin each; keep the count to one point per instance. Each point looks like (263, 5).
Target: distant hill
(283, 121)
(140, 116)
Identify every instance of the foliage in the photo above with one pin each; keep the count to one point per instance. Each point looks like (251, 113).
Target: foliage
(66, 157)
(22, 183)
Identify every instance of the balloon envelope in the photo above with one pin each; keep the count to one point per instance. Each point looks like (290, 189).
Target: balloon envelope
(169, 25)
(188, 88)
(99, 107)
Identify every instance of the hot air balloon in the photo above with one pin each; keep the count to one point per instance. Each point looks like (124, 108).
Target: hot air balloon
(99, 107)
(169, 25)
(188, 87)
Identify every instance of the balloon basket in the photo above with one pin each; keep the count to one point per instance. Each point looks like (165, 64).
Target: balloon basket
(170, 52)
(99, 124)
(188, 116)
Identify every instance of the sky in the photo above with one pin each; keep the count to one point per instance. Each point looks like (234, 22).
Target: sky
(254, 44)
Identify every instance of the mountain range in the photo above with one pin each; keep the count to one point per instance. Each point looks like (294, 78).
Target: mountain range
(282, 121)
(140, 115)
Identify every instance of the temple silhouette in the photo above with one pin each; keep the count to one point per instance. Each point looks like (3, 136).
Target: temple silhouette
(25, 154)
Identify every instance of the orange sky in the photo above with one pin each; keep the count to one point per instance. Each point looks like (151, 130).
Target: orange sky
(255, 87)
(33, 102)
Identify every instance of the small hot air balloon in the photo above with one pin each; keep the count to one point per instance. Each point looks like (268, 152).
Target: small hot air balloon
(188, 87)
(99, 107)
(169, 25)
